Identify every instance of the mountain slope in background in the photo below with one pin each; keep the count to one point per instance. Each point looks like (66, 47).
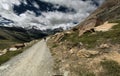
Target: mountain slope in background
(12, 35)
(88, 50)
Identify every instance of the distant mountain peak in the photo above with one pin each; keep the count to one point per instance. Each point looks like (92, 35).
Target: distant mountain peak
(5, 21)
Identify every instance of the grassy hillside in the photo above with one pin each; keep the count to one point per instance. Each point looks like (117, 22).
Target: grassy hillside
(82, 51)
(83, 55)
(12, 35)
(92, 40)
(10, 54)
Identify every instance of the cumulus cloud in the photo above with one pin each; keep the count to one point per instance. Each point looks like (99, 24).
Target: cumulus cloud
(82, 8)
(50, 19)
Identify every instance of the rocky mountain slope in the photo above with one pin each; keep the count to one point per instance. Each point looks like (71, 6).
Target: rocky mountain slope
(109, 11)
(91, 48)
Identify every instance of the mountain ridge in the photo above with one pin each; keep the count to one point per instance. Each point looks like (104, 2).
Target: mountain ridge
(14, 35)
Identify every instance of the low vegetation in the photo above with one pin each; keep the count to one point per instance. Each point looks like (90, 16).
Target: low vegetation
(112, 68)
(7, 43)
(67, 52)
(82, 71)
(10, 54)
(91, 40)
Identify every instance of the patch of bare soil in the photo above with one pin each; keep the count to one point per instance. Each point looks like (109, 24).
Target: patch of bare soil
(105, 27)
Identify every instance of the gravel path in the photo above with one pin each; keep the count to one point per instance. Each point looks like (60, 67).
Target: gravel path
(35, 61)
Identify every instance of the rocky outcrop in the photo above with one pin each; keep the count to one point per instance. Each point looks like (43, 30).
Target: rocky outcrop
(90, 24)
(2, 52)
(16, 47)
(59, 36)
(104, 46)
(83, 53)
(19, 46)
(13, 49)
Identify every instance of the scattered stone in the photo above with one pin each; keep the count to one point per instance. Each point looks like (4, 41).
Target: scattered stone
(19, 46)
(66, 73)
(73, 50)
(80, 43)
(86, 53)
(104, 46)
(68, 32)
(67, 65)
(58, 36)
(13, 49)
(57, 75)
(26, 44)
(2, 52)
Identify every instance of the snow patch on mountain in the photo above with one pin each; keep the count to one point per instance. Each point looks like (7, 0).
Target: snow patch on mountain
(51, 14)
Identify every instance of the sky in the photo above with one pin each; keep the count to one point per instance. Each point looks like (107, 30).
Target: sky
(49, 19)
